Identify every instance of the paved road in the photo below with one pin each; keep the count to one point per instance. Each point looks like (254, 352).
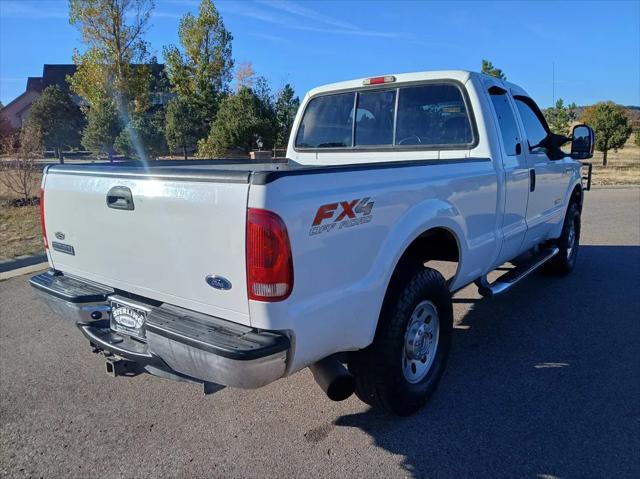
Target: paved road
(542, 382)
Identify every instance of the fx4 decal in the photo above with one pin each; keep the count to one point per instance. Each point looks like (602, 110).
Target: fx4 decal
(343, 214)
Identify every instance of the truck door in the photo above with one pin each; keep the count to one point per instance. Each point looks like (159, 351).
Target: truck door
(546, 184)
(516, 171)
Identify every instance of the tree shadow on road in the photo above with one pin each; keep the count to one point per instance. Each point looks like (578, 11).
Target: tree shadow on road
(541, 382)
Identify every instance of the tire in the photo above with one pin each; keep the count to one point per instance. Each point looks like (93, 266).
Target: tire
(568, 243)
(400, 370)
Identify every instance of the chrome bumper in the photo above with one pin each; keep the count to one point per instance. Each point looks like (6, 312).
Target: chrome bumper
(179, 342)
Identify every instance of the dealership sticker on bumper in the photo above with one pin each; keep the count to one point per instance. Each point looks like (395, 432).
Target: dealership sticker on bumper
(128, 320)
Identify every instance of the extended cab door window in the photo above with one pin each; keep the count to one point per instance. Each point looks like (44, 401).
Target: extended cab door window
(506, 121)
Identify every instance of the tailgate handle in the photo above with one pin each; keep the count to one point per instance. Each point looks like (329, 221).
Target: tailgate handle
(120, 198)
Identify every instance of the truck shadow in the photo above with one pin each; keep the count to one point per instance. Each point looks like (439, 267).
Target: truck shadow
(541, 382)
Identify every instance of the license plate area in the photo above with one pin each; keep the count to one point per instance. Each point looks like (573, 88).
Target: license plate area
(128, 318)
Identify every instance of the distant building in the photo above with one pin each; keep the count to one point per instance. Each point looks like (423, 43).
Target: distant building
(17, 111)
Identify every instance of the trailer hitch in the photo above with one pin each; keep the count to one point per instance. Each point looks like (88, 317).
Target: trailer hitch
(122, 367)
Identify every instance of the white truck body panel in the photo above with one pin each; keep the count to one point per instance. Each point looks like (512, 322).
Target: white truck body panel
(341, 276)
(179, 232)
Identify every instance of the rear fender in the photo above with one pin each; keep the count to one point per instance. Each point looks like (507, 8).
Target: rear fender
(432, 213)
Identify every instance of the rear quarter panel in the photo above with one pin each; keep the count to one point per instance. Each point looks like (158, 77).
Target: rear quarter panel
(341, 275)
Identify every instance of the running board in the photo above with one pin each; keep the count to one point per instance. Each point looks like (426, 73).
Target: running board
(507, 280)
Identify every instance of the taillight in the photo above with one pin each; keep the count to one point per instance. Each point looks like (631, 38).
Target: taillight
(269, 262)
(44, 229)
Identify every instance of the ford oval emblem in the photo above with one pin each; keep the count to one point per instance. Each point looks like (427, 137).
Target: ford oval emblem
(218, 282)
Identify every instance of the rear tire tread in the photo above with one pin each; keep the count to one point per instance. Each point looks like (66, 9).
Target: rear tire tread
(379, 379)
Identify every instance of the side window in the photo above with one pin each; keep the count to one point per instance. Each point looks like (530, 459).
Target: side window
(327, 122)
(506, 119)
(374, 118)
(533, 126)
(432, 115)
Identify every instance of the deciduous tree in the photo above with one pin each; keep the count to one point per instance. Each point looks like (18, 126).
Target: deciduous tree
(112, 66)
(8, 135)
(201, 68)
(19, 173)
(245, 76)
(610, 124)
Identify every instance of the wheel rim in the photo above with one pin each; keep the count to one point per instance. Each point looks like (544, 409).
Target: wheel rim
(420, 342)
(571, 239)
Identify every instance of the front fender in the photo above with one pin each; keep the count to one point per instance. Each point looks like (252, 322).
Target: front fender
(576, 182)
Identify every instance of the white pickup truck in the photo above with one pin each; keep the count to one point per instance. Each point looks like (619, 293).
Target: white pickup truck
(239, 273)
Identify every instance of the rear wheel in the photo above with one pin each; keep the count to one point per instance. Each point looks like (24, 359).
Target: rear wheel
(568, 243)
(400, 370)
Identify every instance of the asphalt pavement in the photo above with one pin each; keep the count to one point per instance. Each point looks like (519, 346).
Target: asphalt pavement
(542, 382)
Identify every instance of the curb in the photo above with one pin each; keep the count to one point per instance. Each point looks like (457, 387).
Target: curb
(22, 265)
(614, 187)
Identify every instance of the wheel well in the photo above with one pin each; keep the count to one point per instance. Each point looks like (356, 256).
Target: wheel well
(435, 245)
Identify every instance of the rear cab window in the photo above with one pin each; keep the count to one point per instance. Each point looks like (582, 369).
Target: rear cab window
(425, 116)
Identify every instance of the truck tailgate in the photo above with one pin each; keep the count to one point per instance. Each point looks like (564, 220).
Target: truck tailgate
(179, 232)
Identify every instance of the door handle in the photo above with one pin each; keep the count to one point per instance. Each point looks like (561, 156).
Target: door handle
(532, 179)
(568, 171)
(120, 198)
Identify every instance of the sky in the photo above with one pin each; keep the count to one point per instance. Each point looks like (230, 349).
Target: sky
(595, 45)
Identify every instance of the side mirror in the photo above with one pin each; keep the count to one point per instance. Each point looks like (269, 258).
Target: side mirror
(582, 142)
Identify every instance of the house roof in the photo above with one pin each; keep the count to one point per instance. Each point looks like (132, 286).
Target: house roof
(34, 84)
(56, 74)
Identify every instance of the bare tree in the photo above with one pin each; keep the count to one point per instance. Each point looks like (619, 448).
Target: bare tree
(19, 173)
(245, 76)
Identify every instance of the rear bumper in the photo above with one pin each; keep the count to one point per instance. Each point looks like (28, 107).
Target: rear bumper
(193, 345)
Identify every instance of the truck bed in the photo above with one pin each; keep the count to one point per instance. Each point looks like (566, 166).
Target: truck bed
(225, 171)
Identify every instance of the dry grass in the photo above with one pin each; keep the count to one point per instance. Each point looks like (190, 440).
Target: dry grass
(623, 166)
(19, 231)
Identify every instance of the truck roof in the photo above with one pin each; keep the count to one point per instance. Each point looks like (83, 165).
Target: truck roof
(459, 75)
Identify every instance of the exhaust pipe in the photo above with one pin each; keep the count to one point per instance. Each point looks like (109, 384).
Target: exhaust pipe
(333, 378)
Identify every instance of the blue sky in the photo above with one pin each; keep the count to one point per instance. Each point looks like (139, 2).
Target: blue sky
(595, 45)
